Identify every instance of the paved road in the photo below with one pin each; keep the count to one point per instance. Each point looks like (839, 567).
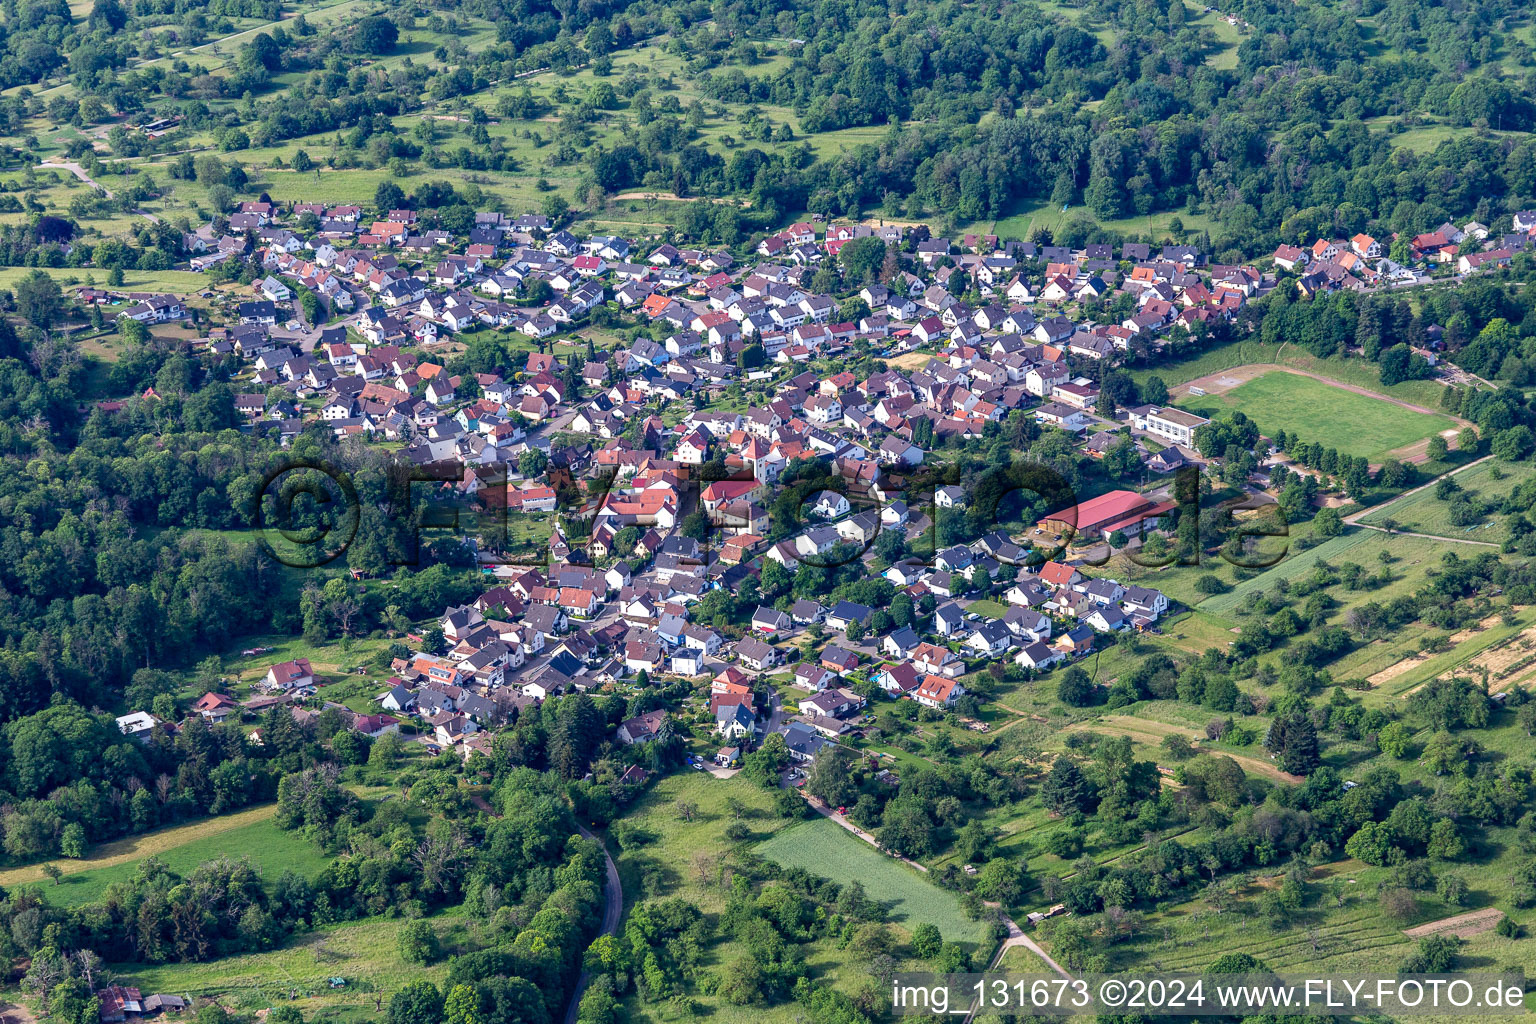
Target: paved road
(79, 172)
(828, 812)
(1018, 937)
(775, 714)
(613, 891)
(613, 894)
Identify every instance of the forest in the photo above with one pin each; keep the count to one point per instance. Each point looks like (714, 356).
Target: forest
(1115, 110)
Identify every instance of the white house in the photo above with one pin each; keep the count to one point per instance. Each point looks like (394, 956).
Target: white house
(290, 675)
(938, 692)
(1038, 656)
(830, 505)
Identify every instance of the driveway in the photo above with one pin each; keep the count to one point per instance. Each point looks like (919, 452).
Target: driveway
(775, 714)
(304, 340)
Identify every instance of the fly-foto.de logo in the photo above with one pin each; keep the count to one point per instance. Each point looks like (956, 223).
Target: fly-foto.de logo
(310, 512)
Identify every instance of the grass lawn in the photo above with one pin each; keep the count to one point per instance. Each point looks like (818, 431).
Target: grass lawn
(825, 848)
(685, 858)
(1026, 215)
(1341, 928)
(1410, 560)
(1422, 512)
(987, 607)
(1224, 58)
(1019, 960)
(1211, 623)
(1323, 414)
(249, 834)
(179, 282)
(333, 663)
(150, 844)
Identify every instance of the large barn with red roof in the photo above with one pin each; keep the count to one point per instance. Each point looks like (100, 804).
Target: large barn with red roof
(1126, 511)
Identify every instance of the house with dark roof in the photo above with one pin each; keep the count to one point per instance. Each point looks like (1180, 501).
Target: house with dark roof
(735, 721)
(757, 655)
(844, 613)
(803, 742)
(900, 643)
(641, 728)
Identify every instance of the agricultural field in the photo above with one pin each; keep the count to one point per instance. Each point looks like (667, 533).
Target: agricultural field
(250, 834)
(161, 843)
(1352, 423)
(1285, 557)
(1424, 512)
(1341, 928)
(1292, 566)
(364, 953)
(825, 848)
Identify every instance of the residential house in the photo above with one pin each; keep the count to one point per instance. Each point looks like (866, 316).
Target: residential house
(289, 675)
(938, 692)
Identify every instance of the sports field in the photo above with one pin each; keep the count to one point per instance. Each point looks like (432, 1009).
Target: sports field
(825, 848)
(1352, 423)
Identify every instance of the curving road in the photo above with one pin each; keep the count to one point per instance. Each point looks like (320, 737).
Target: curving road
(613, 892)
(79, 172)
(613, 895)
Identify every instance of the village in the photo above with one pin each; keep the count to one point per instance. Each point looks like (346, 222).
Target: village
(575, 628)
(711, 322)
(619, 443)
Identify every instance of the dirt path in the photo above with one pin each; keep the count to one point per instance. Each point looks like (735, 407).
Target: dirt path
(1354, 518)
(1433, 536)
(1147, 730)
(613, 893)
(673, 197)
(827, 812)
(79, 172)
(1391, 672)
(1463, 926)
(1418, 452)
(15, 1013)
(1017, 937)
(1463, 635)
(613, 897)
(1225, 380)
